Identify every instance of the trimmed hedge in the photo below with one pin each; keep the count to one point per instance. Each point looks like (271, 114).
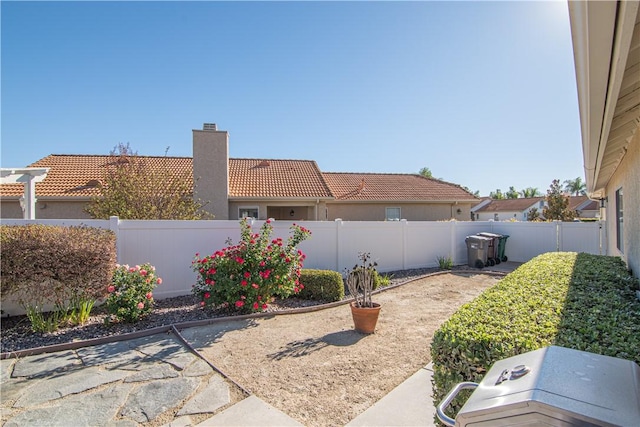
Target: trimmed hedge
(580, 301)
(52, 264)
(325, 285)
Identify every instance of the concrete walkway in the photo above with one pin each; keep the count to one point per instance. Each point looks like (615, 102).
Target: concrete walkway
(157, 380)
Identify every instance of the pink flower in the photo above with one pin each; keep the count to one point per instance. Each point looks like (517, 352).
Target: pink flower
(247, 274)
(243, 283)
(254, 286)
(111, 288)
(207, 295)
(239, 303)
(264, 306)
(255, 305)
(149, 295)
(143, 272)
(140, 305)
(159, 281)
(201, 303)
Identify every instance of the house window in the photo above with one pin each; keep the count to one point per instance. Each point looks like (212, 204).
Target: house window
(619, 222)
(392, 214)
(250, 212)
(495, 217)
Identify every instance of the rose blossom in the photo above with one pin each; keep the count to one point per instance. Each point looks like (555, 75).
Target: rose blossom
(111, 288)
(159, 281)
(239, 303)
(149, 295)
(140, 305)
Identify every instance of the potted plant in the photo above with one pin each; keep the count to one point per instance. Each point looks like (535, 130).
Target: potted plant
(360, 282)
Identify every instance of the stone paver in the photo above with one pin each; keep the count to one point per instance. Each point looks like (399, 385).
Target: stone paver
(46, 364)
(213, 397)
(166, 394)
(118, 384)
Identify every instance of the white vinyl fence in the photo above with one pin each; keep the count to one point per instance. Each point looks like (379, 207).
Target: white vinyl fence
(396, 245)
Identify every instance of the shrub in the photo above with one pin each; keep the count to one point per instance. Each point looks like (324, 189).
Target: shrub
(325, 285)
(247, 276)
(131, 292)
(67, 268)
(445, 263)
(580, 301)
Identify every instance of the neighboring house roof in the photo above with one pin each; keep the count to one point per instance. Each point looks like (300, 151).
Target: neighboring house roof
(510, 205)
(582, 203)
(393, 187)
(269, 178)
(78, 177)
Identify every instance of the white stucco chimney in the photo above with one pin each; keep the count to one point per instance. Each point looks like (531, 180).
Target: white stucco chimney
(211, 169)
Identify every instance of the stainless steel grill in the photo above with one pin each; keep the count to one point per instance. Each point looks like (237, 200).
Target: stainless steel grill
(553, 386)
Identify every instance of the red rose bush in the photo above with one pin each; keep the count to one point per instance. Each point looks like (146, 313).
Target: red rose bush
(246, 277)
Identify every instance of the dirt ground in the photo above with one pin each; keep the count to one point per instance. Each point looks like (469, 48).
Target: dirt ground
(318, 370)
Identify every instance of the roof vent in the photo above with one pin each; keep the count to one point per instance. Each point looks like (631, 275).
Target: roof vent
(264, 163)
(209, 126)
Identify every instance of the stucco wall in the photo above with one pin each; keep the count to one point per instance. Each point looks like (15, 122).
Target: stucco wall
(627, 177)
(409, 211)
(47, 210)
(281, 210)
(211, 170)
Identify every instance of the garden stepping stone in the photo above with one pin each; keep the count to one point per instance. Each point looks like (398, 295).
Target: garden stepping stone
(72, 383)
(157, 371)
(6, 367)
(184, 421)
(168, 350)
(214, 396)
(199, 368)
(112, 353)
(13, 388)
(97, 408)
(166, 395)
(46, 364)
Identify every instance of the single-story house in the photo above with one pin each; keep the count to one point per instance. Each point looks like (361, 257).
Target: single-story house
(518, 209)
(507, 209)
(259, 188)
(606, 46)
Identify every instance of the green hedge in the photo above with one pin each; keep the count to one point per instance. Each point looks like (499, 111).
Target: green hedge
(52, 264)
(325, 285)
(580, 301)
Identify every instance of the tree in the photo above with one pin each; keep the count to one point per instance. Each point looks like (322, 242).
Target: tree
(475, 193)
(575, 186)
(512, 193)
(533, 214)
(426, 172)
(132, 188)
(558, 204)
(497, 195)
(530, 192)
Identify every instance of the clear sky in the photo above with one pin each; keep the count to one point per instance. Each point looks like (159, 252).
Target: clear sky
(481, 93)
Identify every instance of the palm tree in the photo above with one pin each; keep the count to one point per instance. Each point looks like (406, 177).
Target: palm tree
(530, 192)
(575, 187)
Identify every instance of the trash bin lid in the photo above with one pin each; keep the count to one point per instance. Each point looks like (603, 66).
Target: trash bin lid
(485, 234)
(478, 238)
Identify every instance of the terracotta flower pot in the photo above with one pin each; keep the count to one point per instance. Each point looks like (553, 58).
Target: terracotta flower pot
(365, 318)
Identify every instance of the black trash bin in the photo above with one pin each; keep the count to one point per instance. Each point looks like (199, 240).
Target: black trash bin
(477, 249)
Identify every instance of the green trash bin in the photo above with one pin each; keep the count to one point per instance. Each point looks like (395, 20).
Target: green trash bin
(499, 247)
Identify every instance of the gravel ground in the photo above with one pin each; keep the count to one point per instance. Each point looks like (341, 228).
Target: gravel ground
(17, 335)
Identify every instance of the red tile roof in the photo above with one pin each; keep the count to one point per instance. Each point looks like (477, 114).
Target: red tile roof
(76, 175)
(393, 187)
(269, 178)
(510, 205)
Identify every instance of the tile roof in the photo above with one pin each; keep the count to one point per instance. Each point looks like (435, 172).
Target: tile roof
(269, 178)
(77, 175)
(392, 187)
(510, 205)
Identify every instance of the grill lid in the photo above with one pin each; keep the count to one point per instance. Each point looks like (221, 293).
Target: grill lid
(561, 383)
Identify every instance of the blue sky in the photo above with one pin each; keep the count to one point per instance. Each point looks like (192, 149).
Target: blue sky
(481, 93)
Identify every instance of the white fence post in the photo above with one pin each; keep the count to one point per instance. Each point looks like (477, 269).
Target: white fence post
(404, 243)
(338, 225)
